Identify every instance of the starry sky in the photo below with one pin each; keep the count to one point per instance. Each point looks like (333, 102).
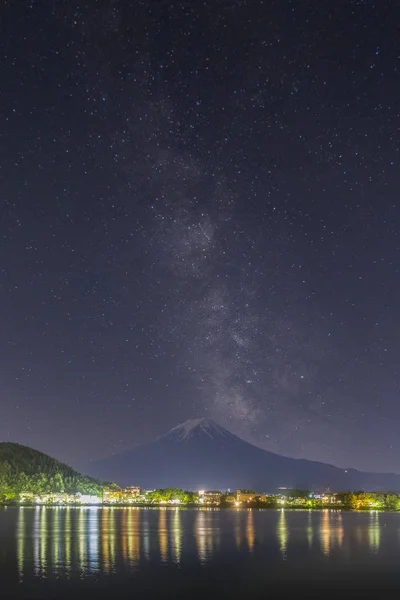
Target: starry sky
(199, 217)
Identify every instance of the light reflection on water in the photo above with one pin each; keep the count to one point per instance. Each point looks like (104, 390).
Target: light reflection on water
(21, 543)
(93, 540)
(250, 530)
(374, 531)
(67, 540)
(310, 532)
(331, 531)
(325, 533)
(163, 534)
(90, 541)
(201, 534)
(42, 536)
(282, 533)
(176, 534)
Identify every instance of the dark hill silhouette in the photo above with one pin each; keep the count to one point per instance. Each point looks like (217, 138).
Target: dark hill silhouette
(202, 454)
(23, 469)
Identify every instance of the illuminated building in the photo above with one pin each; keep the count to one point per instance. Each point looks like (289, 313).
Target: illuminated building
(329, 498)
(229, 499)
(243, 496)
(210, 497)
(112, 496)
(325, 497)
(131, 493)
(26, 497)
(58, 498)
(87, 499)
(126, 495)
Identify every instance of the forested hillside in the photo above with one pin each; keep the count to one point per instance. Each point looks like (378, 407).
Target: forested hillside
(23, 469)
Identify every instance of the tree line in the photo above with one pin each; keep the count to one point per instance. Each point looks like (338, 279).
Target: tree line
(24, 470)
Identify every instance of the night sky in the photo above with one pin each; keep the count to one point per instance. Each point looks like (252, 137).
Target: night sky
(199, 217)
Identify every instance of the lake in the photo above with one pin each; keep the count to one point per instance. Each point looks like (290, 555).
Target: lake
(175, 552)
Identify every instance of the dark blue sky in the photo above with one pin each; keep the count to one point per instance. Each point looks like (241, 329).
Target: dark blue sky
(199, 216)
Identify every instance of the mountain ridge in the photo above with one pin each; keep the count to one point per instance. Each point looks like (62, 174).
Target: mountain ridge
(24, 469)
(200, 453)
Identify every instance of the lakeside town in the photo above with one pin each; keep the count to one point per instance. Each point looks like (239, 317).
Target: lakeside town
(283, 498)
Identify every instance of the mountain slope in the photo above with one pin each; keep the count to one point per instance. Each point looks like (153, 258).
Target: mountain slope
(202, 454)
(23, 469)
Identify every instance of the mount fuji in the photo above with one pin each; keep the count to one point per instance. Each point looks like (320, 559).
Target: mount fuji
(200, 454)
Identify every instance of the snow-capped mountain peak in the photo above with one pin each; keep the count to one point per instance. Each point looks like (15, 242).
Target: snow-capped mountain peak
(192, 427)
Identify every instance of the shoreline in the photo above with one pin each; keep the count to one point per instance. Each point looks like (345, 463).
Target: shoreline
(202, 507)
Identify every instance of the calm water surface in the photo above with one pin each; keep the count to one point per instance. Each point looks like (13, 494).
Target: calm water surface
(72, 552)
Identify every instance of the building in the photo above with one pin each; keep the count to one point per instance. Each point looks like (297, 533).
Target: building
(131, 493)
(58, 498)
(230, 499)
(328, 498)
(121, 495)
(244, 496)
(210, 497)
(112, 496)
(27, 497)
(324, 497)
